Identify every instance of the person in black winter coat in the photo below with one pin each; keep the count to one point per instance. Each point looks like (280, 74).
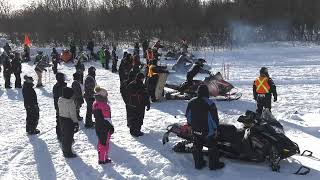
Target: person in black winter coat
(31, 105)
(114, 60)
(137, 99)
(55, 57)
(145, 46)
(90, 47)
(73, 49)
(125, 67)
(26, 53)
(7, 70)
(57, 93)
(107, 56)
(263, 89)
(89, 85)
(80, 68)
(17, 69)
(77, 95)
(203, 118)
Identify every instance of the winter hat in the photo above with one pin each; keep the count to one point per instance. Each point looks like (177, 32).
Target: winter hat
(99, 91)
(28, 79)
(91, 69)
(67, 92)
(203, 91)
(60, 77)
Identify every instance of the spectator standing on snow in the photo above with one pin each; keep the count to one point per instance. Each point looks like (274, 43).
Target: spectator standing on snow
(77, 96)
(89, 85)
(90, 47)
(57, 93)
(68, 120)
(7, 70)
(31, 105)
(103, 126)
(263, 89)
(80, 68)
(203, 117)
(114, 59)
(145, 46)
(40, 67)
(107, 57)
(136, 50)
(137, 99)
(55, 58)
(102, 57)
(73, 49)
(26, 53)
(17, 69)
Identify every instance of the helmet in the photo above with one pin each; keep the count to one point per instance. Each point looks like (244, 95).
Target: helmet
(264, 71)
(201, 61)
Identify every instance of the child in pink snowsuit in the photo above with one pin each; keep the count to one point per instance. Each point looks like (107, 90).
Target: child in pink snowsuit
(103, 126)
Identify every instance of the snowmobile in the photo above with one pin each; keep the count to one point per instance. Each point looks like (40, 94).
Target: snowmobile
(219, 88)
(261, 139)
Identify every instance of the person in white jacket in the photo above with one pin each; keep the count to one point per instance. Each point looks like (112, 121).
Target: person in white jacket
(68, 121)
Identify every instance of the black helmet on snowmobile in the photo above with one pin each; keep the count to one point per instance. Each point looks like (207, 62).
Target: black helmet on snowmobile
(200, 61)
(264, 72)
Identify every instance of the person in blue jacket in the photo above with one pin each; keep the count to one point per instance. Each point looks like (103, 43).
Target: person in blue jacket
(203, 118)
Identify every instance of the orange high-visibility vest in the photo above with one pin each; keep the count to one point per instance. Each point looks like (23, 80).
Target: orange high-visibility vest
(151, 71)
(262, 86)
(150, 55)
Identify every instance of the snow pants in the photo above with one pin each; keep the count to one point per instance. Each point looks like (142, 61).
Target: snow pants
(89, 102)
(213, 153)
(17, 83)
(32, 118)
(67, 132)
(135, 118)
(7, 77)
(263, 101)
(103, 148)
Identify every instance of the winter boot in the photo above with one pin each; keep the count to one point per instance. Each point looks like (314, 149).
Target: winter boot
(213, 157)
(69, 155)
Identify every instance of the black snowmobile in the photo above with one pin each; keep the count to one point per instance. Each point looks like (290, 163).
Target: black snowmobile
(261, 139)
(218, 87)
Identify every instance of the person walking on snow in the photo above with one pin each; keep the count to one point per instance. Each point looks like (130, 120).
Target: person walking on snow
(77, 96)
(55, 58)
(31, 104)
(68, 121)
(263, 89)
(89, 85)
(103, 126)
(107, 57)
(7, 70)
(114, 60)
(203, 117)
(80, 68)
(40, 67)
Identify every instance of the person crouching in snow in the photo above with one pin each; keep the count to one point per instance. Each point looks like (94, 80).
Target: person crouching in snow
(103, 126)
(68, 121)
(31, 105)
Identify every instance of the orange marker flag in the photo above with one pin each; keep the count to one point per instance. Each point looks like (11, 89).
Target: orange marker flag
(27, 40)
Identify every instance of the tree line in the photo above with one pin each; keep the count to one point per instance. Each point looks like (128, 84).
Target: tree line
(223, 23)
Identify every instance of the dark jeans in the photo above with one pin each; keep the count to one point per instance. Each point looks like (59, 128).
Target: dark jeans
(67, 133)
(89, 102)
(152, 83)
(32, 118)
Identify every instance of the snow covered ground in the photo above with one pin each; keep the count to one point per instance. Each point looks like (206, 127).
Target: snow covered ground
(295, 70)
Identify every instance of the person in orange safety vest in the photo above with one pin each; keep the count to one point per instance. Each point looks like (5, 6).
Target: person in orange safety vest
(263, 89)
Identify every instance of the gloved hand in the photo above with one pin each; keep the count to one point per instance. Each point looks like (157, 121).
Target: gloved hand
(76, 127)
(275, 99)
(148, 108)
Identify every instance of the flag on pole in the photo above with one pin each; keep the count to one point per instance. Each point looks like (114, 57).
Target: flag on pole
(27, 40)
